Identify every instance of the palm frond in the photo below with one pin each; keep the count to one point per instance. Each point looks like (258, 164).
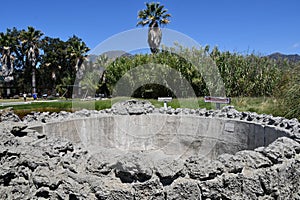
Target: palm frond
(164, 21)
(143, 22)
(153, 12)
(152, 7)
(142, 14)
(163, 12)
(148, 6)
(166, 15)
(159, 10)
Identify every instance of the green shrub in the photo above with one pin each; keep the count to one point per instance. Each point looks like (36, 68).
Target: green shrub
(290, 94)
(247, 75)
(214, 72)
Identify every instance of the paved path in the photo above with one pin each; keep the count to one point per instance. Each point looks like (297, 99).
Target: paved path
(14, 103)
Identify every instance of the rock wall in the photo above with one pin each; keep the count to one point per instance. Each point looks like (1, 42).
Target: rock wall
(35, 165)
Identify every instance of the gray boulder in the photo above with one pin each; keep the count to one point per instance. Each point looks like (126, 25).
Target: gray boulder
(132, 107)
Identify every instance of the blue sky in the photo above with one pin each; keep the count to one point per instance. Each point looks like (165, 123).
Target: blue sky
(243, 26)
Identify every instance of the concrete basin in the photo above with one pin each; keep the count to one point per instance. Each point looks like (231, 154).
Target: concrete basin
(174, 135)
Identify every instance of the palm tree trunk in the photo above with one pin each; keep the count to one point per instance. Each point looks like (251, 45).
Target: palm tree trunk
(33, 81)
(154, 37)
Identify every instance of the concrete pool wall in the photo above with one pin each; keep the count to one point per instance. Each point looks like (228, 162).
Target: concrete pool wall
(183, 135)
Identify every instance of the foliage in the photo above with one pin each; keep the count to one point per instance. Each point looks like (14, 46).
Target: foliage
(61, 63)
(215, 72)
(76, 51)
(289, 93)
(30, 38)
(247, 75)
(155, 15)
(266, 105)
(55, 62)
(30, 44)
(92, 80)
(207, 72)
(159, 73)
(153, 12)
(65, 87)
(10, 40)
(90, 83)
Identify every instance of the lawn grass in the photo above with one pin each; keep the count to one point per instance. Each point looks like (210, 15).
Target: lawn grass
(259, 105)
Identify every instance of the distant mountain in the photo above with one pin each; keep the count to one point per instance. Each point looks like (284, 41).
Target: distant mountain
(279, 56)
(110, 54)
(92, 57)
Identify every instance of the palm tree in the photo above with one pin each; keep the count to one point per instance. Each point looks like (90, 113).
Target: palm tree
(30, 40)
(77, 50)
(6, 42)
(77, 54)
(8, 50)
(155, 15)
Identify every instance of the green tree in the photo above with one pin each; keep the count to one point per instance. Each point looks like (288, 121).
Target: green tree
(90, 83)
(30, 44)
(53, 63)
(154, 15)
(101, 64)
(7, 47)
(163, 63)
(77, 52)
(10, 64)
(61, 62)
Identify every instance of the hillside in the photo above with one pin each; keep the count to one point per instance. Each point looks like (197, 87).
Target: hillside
(290, 57)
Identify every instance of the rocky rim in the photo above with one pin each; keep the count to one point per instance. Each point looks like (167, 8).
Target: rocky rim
(37, 166)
